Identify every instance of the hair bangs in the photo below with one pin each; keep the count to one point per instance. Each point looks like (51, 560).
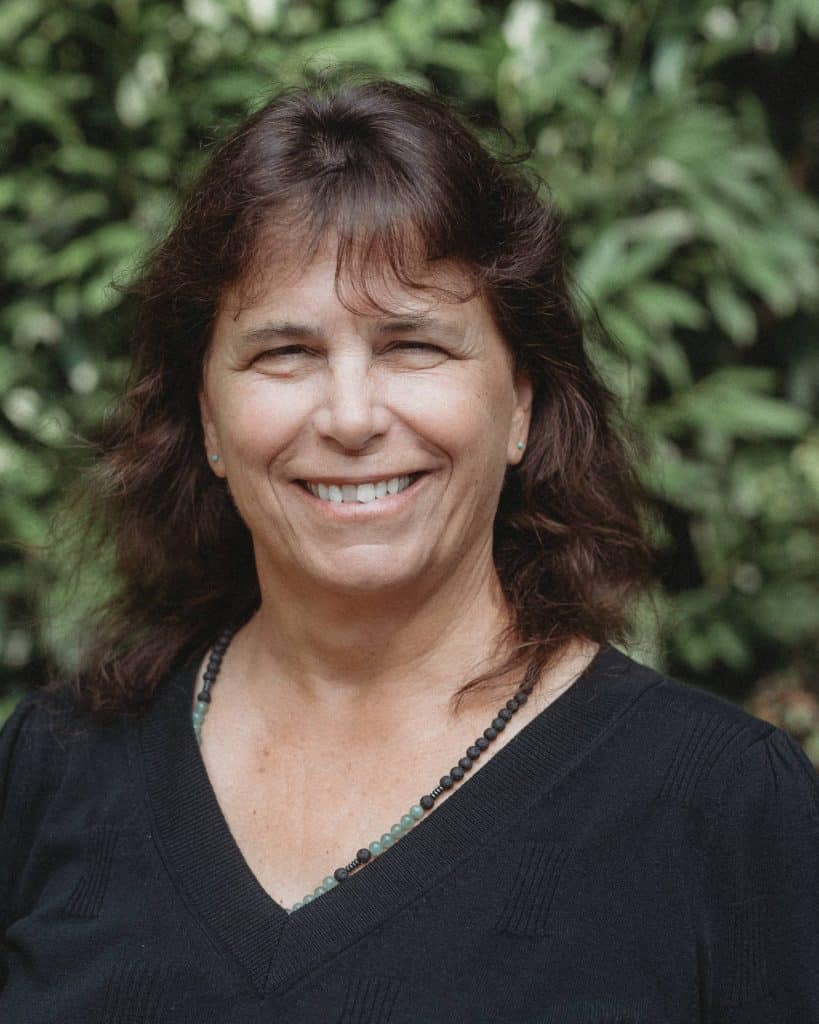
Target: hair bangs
(385, 243)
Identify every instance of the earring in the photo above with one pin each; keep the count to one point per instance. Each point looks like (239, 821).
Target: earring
(521, 445)
(214, 457)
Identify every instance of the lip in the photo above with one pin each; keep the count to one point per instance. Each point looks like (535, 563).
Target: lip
(356, 510)
(359, 480)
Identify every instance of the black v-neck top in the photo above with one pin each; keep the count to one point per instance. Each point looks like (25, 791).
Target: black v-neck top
(641, 852)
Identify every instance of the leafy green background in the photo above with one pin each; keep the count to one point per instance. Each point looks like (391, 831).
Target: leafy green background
(680, 140)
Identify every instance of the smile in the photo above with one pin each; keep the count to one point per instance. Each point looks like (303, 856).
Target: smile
(360, 494)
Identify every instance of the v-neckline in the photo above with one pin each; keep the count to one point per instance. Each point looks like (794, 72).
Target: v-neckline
(274, 948)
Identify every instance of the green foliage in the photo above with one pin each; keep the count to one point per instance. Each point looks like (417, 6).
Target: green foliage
(693, 236)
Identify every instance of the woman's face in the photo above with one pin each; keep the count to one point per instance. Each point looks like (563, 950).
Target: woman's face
(298, 390)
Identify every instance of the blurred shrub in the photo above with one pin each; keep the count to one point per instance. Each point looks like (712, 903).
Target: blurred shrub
(694, 230)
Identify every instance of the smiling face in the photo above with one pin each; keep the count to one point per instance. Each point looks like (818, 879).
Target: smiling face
(299, 390)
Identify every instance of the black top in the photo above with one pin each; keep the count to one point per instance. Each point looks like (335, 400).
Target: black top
(641, 851)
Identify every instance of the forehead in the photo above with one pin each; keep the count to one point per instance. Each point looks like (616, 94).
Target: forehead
(290, 277)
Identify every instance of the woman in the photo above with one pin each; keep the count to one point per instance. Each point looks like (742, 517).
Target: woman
(352, 742)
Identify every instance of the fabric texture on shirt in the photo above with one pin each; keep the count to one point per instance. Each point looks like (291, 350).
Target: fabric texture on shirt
(640, 852)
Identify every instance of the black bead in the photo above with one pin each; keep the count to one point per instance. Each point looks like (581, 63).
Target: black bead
(446, 782)
(204, 697)
(482, 743)
(498, 724)
(473, 752)
(490, 733)
(505, 714)
(363, 855)
(513, 703)
(521, 697)
(209, 675)
(427, 802)
(340, 874)
(456, 773)
(465, 763)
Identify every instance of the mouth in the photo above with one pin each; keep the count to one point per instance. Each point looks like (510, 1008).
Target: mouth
(382, 492)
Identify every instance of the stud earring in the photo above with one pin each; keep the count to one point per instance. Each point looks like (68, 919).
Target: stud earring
(214, 457)
(521, 445)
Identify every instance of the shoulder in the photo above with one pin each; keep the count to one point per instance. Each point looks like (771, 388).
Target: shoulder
(720, 756)
(35, 738)
(711, 723)
(34, 744)
(48, 731)
(51, 754)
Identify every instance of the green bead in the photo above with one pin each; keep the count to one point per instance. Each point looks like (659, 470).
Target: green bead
(375, 848)
(308, 899)
(396, 831)
(319, 891)
(407, 821)
(296, 906)
(386, 840)
(417, 811)
(329, 883)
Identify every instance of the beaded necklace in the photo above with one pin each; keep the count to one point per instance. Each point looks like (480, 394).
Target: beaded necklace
(417, 811)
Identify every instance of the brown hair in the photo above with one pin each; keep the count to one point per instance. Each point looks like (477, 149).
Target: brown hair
(400, 176)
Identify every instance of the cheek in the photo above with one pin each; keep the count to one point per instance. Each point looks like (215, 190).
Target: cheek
(468, 428)
(260, 421)
(480, 415)
(458, 409)
(450, 425)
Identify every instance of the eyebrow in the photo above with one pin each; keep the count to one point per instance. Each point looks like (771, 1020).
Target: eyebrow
(403, 325)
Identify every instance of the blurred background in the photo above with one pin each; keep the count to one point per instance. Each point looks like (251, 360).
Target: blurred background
(681, 141)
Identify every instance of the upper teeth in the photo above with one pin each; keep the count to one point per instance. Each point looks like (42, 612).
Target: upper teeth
(359, 492)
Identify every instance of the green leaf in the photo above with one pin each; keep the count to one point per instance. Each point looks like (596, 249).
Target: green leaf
(32, 99)
(610, 264)
(732, 313)
(665, 305)
(16, 17)
(728, 402)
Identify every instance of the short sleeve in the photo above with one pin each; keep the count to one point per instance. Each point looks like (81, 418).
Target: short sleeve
(762, 870)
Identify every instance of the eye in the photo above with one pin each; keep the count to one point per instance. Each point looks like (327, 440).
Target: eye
(418, 346)
(285, 350)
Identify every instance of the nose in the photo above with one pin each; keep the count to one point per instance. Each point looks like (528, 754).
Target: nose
(352, 411)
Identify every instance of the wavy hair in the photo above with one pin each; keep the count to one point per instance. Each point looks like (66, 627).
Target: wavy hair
(400, 176)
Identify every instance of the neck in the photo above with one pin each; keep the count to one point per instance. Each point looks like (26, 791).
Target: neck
(336, 657)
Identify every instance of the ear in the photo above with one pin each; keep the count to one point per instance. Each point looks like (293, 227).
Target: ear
(211, 435)
(521, 417)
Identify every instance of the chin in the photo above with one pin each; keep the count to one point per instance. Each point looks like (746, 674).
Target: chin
(354, 577)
